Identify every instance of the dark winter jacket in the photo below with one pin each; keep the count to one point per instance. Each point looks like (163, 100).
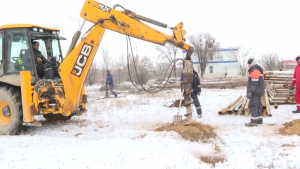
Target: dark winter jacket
(196, 82)
(38, 54)
(40, 67)
(109, 81)
(256, 83)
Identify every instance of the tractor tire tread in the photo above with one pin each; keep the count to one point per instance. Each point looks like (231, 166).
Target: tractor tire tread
(12, 95)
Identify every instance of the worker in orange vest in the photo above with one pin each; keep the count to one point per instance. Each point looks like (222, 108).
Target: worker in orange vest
(255, 89)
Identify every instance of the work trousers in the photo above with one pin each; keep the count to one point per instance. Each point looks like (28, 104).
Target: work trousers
(297, 97)
(255, 109)
(112, 90)
(196, 102)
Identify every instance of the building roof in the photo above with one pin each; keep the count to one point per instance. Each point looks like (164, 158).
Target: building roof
(25, 26)
(289, 62)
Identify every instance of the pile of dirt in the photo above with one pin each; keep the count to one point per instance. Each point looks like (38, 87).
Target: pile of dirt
(194, 132)
(212, 160)
(291, 128)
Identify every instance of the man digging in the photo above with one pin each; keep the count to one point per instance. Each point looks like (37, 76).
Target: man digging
(255, 89)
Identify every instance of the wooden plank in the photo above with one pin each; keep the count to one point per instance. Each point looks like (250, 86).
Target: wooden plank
(242, 107)
(239, 104)
(263, 101)
(230, 106)
(241, 110)
(279, 81)
(275, 105)
(279, 101)
(284, 74)
(247, 108)
(264, 112)
(267, 104)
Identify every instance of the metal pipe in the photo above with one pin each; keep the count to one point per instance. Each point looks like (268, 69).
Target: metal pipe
(82, 25)
(75, 38)
(150, 20)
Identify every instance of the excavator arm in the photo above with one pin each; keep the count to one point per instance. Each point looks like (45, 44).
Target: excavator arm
(74, 69)
(128, 23)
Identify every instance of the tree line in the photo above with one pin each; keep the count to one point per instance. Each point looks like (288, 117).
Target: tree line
(140, 69)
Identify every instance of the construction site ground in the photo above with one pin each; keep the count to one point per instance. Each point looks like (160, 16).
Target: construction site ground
(136, 131)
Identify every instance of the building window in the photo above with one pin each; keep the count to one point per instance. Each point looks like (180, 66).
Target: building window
(211, 69)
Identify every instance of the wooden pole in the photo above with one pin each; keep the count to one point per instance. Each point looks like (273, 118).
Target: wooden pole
(247, 108)
(267, 104)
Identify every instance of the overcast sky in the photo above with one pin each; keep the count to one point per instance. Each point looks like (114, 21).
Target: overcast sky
(263, 25)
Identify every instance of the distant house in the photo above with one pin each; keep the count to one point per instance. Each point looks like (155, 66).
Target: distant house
(289, 64)
(221, 64)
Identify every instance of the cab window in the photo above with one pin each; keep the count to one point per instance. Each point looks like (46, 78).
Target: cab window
(18, 52)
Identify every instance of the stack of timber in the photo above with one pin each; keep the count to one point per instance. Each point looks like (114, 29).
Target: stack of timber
(241, 107)
(278, 78)
(277, 87)
(280, 94)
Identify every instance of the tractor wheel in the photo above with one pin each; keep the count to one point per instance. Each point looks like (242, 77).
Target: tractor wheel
(11, 114)
(56, 117)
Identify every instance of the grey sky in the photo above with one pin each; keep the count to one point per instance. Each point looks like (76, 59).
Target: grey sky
(264, 25)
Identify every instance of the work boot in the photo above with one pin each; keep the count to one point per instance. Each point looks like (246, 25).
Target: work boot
(260, 121)
(296, 111)
(115, 94)
(199, 112)
(250, 124)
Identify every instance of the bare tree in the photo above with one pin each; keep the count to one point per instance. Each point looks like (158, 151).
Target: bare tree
(270, 61)
(170, 52)
(205, 48)
(92, 75)
(280, 63)
(121, 67)
(242, 55)
(140, 69)
(105, 64)
(162, 65)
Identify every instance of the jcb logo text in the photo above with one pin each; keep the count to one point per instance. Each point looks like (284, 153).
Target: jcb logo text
(82, 59)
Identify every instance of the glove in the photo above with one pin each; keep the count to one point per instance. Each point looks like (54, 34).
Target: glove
(249, 95)
(292, 87)
(199, 90)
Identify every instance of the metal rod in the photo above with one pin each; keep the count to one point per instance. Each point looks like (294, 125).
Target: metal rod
(82, 25)
(150, 20)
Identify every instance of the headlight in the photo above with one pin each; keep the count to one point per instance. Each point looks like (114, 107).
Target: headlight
(35, 29)
(58, 32)
(54, 32)
(41, 30)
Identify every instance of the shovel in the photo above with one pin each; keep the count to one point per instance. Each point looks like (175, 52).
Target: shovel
(178, 118)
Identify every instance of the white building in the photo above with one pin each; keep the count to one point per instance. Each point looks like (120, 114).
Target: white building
(221, 64)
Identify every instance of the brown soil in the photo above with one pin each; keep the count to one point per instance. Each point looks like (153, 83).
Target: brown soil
(194, 132)
(291, 128)
(212, 160)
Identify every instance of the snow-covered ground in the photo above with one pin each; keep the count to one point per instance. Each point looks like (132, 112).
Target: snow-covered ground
(119, 133)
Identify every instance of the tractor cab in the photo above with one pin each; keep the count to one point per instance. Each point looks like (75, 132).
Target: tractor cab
(16, 51)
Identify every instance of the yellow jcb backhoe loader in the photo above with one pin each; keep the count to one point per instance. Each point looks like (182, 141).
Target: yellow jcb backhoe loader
(60, 93)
